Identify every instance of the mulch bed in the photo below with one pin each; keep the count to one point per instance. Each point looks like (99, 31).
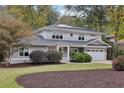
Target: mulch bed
(26, 65)
(73, 79)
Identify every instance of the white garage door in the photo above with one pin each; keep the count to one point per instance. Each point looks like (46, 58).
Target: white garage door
(97, 54)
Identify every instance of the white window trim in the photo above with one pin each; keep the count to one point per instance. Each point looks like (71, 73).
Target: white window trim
(73, 49)
(59, 34)
(81, 35)
(24, 56)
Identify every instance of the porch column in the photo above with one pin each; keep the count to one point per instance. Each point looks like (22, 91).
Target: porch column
(57, 47)
(68, 53)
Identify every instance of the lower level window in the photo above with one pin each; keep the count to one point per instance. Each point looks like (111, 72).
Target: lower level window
(74, 50)
(101, 50)
(24, 52)
(88, 50)
(51, 48)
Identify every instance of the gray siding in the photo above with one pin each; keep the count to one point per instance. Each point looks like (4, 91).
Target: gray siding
(66, 35)
(18, 59)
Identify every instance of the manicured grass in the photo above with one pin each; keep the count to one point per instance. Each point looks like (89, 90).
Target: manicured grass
(8, 75)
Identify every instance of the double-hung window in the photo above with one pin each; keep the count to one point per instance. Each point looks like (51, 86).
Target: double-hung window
(23, 52)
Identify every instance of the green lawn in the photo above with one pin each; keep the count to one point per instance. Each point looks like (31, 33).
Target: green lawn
(8, 75)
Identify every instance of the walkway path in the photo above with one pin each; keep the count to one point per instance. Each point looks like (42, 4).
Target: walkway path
(103, 62)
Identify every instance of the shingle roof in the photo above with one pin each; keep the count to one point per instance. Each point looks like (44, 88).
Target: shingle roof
(38, 40)
(66, 28)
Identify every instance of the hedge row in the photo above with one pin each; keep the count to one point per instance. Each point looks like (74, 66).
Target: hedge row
(39, 56)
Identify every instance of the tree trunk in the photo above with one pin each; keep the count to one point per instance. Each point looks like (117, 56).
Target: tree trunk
(7, 58)
(7, 61)
(116, 35)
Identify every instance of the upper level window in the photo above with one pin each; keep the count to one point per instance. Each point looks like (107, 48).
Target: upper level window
(24, 52)
(61, 37)
(57, 36)
(81, 37)
(71, 34)
(53, 36)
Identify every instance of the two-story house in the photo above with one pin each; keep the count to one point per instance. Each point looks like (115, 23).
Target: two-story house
(66, 39)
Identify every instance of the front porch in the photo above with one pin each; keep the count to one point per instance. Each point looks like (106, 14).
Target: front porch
(97, 49)
(66, 50)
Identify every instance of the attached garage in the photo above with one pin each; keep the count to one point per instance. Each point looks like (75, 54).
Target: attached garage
(97, 49)
(97, 54)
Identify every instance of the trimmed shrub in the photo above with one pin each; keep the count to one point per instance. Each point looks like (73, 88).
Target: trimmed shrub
(53, 56)
(78, 57)
(118, 63)
(88, 58)
(38, 56)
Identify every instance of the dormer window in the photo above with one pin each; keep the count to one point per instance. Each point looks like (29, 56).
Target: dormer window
(57, 36)
(81, 37)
